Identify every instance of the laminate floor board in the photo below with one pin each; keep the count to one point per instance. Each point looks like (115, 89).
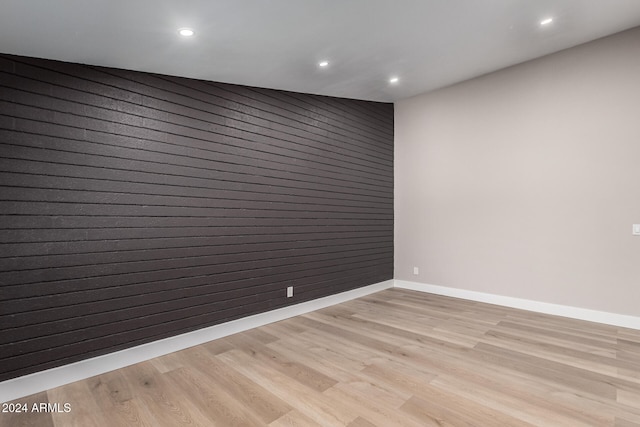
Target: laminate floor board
(628, 344)
(443, 332)
(393, 332)
(361, 422)
(416, 322)
(528, 407)
(352, 356)
(394, 358)
(599, 348)
(330, 363)
(388, 331)
(445, 321)
(211, 398)
(630, 334)
(169, 362)
(20, 418)
(619, 422)
(597, 339)
(313, 404)
(561, 354)
(243, 392)
(295, 418)
(116, 398)
(301, 372)
(82, 397)
(162, 396)
(578, 328)
(436, 312)
(383, 410)
(448, 308)
(396, 314)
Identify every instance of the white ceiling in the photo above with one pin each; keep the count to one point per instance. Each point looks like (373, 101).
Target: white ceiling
(427, 44)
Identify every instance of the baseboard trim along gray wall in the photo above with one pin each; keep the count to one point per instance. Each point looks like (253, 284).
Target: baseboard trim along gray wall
(615, 319)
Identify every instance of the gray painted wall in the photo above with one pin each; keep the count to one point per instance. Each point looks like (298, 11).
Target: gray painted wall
(526, 182)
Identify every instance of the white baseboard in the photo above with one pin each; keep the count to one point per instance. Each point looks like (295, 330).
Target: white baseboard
(604, 317)
(40, 381)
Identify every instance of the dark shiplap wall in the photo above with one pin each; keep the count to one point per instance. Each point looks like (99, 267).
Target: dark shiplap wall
(135, 206)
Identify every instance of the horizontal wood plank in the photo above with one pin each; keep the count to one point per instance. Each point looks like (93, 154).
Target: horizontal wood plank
(136, 206)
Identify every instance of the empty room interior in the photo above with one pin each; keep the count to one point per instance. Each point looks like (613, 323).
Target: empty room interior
(311, 213)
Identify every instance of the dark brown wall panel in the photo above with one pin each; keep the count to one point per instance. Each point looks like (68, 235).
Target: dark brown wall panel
(135, 206)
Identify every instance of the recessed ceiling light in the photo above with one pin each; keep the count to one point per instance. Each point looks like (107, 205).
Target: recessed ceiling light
(546, 21)
(323, 64)
(186, 32)
(394, 80)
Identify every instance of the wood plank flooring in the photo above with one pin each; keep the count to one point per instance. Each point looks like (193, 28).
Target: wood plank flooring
(395, 358)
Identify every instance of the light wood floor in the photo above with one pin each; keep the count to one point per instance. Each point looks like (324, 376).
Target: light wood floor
(395, 358)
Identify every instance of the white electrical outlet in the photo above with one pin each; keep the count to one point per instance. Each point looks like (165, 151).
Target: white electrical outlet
(289, 291)
(636, 230)
(416, 271)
